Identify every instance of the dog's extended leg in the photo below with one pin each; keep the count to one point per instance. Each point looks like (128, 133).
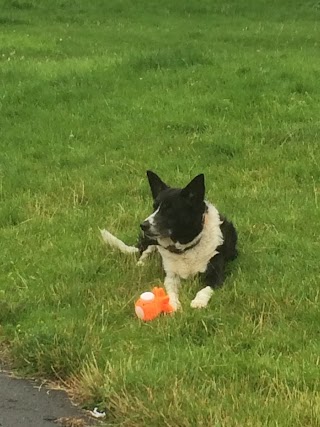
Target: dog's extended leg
(146, 253)
(213, 277)
(114, 242)
(171, 283)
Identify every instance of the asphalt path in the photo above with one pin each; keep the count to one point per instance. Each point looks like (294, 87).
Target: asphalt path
(25, 403)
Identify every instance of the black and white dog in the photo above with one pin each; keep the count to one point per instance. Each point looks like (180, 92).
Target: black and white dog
(189, 233)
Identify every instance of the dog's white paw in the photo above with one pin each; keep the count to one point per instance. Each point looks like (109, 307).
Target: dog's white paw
(202, 298)
(175, 303)
(198, 303)
(140, 263)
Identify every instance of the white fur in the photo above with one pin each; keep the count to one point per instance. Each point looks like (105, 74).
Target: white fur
(194, 260)
(146, 253)
(186, 264)
(151, 220)
(202, 298)
(172, 283)
(117, 243)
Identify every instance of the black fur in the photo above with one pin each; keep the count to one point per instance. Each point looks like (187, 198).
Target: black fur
(144, 242)
(215, 273)
(180, 217)
(181, 211)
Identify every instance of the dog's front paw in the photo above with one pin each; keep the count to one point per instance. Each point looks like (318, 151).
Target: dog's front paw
(198, 303)
(140, 263)
(175, 303)
(202, 298)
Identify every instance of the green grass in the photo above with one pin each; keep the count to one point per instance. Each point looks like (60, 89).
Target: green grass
(91, 95)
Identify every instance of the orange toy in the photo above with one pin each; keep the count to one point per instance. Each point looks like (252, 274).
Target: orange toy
(151, 304)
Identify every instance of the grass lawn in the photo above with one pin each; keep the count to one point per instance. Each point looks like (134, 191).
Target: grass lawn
(93, 93)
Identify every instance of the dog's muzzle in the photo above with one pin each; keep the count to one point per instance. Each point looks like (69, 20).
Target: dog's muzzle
(145, 226)
(149, 230)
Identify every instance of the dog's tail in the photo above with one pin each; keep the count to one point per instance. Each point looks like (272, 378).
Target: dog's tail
(114, 242)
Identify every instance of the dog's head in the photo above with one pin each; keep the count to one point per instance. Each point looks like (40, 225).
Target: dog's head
(178, 212)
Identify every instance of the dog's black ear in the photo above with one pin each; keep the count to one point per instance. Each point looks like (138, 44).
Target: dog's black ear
(156, 184)
(195, 190)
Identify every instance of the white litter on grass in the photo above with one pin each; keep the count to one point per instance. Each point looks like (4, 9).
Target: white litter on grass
(95, 413)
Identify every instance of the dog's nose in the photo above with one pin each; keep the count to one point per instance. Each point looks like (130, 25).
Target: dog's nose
(145, 226)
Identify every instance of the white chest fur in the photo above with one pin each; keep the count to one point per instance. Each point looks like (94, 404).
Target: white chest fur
(195, 260)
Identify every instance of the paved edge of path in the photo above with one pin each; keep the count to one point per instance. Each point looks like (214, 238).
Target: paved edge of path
(27, 403)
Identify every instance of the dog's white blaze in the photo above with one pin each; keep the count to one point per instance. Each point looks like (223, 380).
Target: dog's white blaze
(195, 260)
(202, 298)
(150, 218)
